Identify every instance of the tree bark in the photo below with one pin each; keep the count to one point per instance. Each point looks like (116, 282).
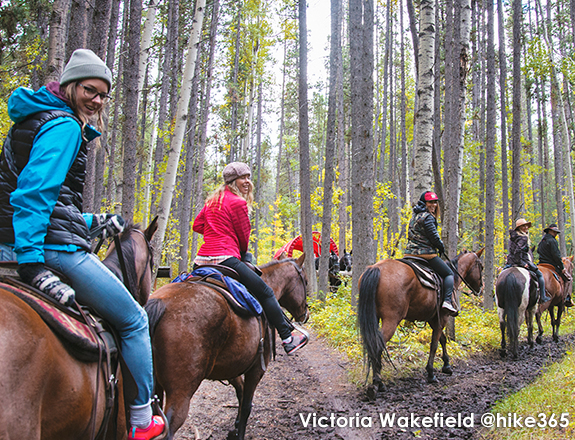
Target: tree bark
(179, 130)
(362, 170)
(423, 142)
(304, 170)
(329, 175)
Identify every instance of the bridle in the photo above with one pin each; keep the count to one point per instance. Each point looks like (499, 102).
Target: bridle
(149, 261)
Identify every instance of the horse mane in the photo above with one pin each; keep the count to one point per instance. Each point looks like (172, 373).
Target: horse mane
(113, 263)
(276, 262)
(455, 261)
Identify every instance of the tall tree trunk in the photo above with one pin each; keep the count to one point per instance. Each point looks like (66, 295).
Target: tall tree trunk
(490, 164)
(198, 199)
(362, 171)
(516, 126)
(423, 141)
(341, 145)
(187, 182)
(330, 147)
(129, 132)
(304, 166)
(503, 105)
(169, 67)
(179, 129)
(234, 89)
(56, 44)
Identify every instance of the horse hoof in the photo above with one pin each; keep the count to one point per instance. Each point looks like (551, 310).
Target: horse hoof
(233, 435)
(432, 379)
(371, 393)
(447, 370)
(539, 340)
(503, 353)
(380, 387)
(555, 338)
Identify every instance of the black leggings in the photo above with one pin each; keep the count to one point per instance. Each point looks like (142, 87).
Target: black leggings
(443, 270)
(263, 293)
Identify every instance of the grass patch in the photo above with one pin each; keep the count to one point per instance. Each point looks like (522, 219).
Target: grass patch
(550, 398)
(476, 330)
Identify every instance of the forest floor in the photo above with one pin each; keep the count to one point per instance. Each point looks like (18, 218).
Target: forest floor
(315, 383)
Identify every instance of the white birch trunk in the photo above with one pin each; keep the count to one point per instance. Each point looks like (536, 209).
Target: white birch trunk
(146, 43)
(422, 170)
(179, 129)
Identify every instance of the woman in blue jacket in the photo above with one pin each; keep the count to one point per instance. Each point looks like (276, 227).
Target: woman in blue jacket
(42, 171)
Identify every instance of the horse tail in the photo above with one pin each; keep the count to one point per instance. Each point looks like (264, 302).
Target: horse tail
(373, 343)
(155, 308)
(512, 294)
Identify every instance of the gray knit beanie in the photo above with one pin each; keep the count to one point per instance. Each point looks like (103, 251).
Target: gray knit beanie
(234, 170)
(85, 64)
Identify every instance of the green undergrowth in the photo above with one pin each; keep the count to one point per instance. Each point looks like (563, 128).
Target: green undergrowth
(549, 402)
(476, 331)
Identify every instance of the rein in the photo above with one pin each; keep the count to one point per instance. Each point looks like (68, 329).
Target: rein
(150, 261)
(452, 266)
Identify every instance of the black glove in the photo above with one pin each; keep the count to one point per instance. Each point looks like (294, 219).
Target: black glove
(107, 225)
(441, 248)
(38, 276)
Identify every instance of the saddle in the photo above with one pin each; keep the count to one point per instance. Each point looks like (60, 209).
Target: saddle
(85, 335)
(82, 333)
(426, 276)
(553, 270)
(225, 281)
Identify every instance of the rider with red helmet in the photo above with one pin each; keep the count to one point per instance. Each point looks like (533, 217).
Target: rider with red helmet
(424, 242)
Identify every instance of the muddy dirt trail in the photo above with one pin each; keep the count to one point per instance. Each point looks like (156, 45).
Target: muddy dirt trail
(297, 391)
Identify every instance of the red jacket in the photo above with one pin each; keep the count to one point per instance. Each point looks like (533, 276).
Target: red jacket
(225, 226)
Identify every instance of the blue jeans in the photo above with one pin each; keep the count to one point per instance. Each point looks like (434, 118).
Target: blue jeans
(99, 289)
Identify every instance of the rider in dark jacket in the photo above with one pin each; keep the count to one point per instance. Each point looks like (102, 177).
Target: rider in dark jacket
(424, 242)
(549, 253)
(520, 254)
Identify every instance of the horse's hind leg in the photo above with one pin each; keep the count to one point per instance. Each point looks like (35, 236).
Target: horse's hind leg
(178, 404)
(238, 384)
(529, 318)
(502, 327)
(444, 356)
(435, 336)
(538, 314)
(556, 322)
(251, 380)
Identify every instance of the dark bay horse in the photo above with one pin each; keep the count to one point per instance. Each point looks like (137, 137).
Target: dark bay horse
(390, 291)
(516, 298)
(198, 337)
(558, 290)
(47, 393)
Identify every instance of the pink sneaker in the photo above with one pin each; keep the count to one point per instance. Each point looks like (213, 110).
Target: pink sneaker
(154, 431)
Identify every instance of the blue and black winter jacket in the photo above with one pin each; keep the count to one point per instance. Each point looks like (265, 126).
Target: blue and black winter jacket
(42, 170)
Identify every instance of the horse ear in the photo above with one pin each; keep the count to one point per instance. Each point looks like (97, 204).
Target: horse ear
(282, 256)
(151, 229)
(478, 253)
(300, 260)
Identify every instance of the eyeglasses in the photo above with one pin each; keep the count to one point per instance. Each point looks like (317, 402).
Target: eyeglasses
(91, 93)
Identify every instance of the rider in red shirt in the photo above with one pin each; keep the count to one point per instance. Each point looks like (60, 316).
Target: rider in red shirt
(225, 224)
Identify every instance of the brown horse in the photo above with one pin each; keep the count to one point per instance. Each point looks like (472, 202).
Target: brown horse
(558, 290)
(391, 292)
(48, 394)
(198, 337)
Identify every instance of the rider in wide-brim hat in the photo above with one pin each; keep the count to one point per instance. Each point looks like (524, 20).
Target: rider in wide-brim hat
(520, 254)
(549, 253)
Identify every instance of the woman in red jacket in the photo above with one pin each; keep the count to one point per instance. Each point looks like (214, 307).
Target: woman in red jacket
(225, 224)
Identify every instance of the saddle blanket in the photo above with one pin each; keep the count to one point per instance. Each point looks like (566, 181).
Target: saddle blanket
(66, 324)
(237, 289)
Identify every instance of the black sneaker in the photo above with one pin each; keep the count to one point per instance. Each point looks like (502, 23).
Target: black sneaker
(295, 343)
